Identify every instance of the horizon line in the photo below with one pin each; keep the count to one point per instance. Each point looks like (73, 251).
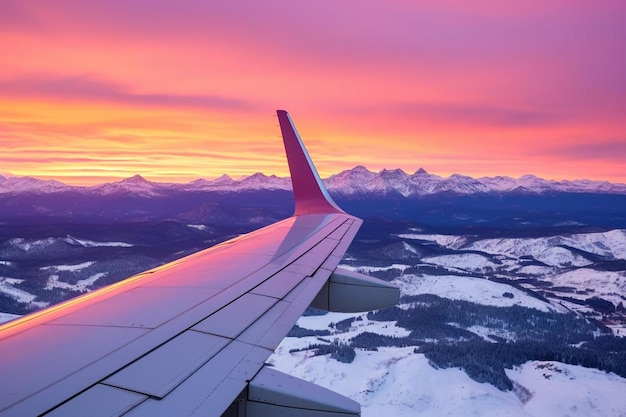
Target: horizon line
(117, 179)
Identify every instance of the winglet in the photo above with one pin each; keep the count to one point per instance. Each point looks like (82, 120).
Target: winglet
(309, 192)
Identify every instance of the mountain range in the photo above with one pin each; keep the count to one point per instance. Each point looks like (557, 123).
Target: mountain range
(353, 182)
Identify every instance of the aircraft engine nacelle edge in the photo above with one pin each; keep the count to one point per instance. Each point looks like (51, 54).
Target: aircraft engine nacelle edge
(273, 393)
(352, 292)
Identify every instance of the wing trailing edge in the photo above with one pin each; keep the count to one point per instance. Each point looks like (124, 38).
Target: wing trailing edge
(272, 393)
(310, 194)
(351, 292)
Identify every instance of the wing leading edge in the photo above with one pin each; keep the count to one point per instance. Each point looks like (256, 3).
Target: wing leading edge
(191, 337)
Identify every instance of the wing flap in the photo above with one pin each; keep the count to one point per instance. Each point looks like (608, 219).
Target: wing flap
(237, 316)
(261, 333)
(211, 389)
(163, 369)
(101, 401)
(275, 393)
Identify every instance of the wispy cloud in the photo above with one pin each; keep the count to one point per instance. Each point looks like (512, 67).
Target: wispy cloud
(603, 150)
(88, 89)
(467, 114)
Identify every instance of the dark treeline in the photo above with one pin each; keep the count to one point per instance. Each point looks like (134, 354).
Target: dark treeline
(438, 330)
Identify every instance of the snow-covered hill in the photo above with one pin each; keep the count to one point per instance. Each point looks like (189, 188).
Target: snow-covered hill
(577, 270)
(400, 382)
(475, 290)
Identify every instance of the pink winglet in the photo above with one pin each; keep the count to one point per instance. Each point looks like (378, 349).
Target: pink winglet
(309, 192)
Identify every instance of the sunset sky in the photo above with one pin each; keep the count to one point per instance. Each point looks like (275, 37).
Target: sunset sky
(94, 91)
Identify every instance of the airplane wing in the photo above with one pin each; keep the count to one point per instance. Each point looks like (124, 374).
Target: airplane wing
(191, 337)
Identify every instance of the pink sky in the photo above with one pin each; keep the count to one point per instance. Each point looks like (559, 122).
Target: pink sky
(97, 91)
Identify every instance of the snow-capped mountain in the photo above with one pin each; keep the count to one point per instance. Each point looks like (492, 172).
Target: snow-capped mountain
(360, 180)
(356, 181)
(29, 184)
(535, 184)
(134, 185)
(260, 181)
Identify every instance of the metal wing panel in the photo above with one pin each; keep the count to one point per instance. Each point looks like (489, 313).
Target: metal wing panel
(160, 371)
(101, 401)
(279, 285)
(259, 331)
(210, 390)
(236, 364)
(129, 309)
(174, 309)
(237, 316)
(95, 343)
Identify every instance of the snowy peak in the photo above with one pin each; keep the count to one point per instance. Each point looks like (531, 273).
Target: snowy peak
(256, 181)
(356, 181)
(534, 184)
(30, 185)
(135, 180)
(260, 181)
(203, 185)
(136, 185)
(361, 180)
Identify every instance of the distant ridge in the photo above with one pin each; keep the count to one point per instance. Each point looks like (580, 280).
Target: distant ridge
(356, 181)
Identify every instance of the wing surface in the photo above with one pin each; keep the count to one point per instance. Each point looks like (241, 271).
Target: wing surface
(191, 337)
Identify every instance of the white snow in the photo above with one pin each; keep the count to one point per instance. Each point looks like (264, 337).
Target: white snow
(464, 261)
(397, 382)
(28, 184)
(4, 317)
(197, 226)
(475, 290)
(19, 295)
(322, 322)
(610, 285)
(364, 269)
(92, 243)
(558, 389)
(72, 268)
(409, 248)
(545, 250)
(82, 285)
(535, 270)
(549, 250)
(611, 244)
(26, 245)
(487, 332)
(401, 383)
(448, 241)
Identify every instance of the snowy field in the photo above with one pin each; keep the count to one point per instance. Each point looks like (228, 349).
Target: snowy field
(398, 382)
